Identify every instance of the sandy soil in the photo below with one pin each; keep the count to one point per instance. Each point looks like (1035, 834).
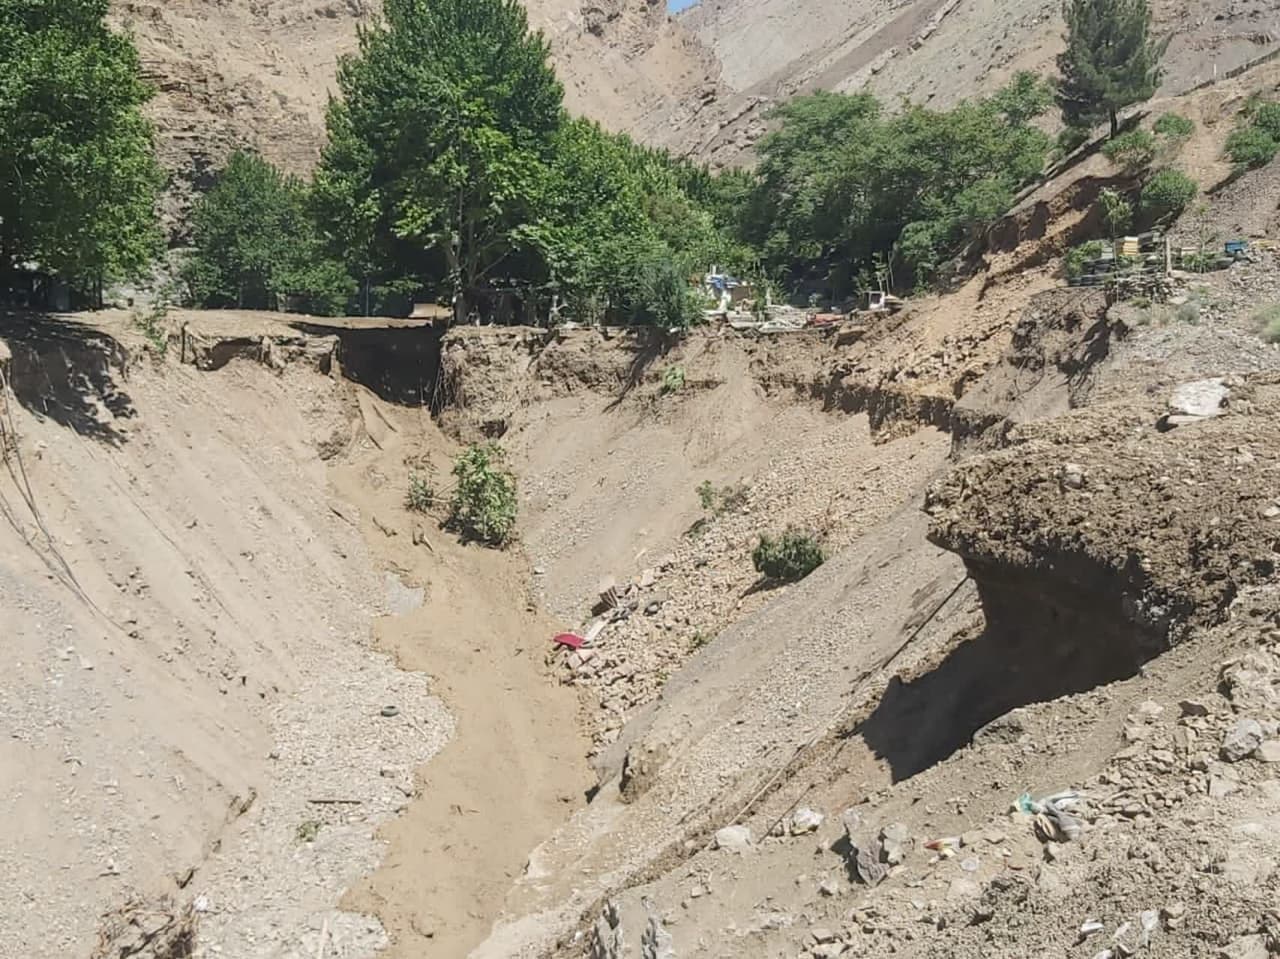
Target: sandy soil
(198, 702)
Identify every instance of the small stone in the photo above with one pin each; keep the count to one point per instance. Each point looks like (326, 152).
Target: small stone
(1190, 707)
(733, 838)
(1268, 752)
(893, 843)
(1149, 709)
(829, 887)
(828, 950)
(1071, 476)
(1241, 740)
(963, 889)
(822, 934)
(1173, 914)
(805, 820)
(1221, 788)
(539, 571)
(1271, 512)
(1246, 947)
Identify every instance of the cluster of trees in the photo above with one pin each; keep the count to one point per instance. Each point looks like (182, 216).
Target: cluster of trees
(844, 184)
(453, 172)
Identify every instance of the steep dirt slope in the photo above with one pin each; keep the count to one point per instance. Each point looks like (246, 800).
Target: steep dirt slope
(200, 703)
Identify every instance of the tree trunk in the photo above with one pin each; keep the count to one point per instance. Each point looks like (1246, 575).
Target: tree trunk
(1115, 124)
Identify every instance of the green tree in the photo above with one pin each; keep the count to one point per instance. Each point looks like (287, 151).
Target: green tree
(1117, 211)
(841, 183)
(438, 147)
(255, 241)
(78, 175)
(1111, 60)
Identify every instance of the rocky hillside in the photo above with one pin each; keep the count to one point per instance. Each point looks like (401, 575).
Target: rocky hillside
(933, 51)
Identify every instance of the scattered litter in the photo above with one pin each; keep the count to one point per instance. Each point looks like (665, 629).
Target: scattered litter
(971, 864)
(1053, 822)
(570, 640)
(946, 847)
(1091, 928)
(389, 711)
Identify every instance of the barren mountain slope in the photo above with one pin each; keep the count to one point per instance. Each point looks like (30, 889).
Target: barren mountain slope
(934, 51)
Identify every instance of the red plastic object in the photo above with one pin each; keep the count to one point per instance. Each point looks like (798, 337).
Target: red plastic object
(570, 640)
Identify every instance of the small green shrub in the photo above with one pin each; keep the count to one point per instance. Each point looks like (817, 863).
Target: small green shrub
(672, 379)
(727, 499)
(151, 325)
(1188, 312)
(484, 503)
(1251, 147)
(1167, 194)
(1267, 119)
(1174, 126)
(1267, 321)
(1078, 256)
(308, 831)
(1132, 151)
(789, 557)
(698, 640)
(1071, 139)
(422, 495)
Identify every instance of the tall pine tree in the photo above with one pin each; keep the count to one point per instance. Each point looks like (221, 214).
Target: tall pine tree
(1110, 62)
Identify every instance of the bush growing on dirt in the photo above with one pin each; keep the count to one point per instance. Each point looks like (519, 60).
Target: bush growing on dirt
(726, 499)
(1251, 147)
(1078, 256)
(484, 503)
(673, 379)
(1267, 321)
(421, 496)
(1266, 117)
(1167, 194)
(1174, 126)
(1132, 151)
(789, 557)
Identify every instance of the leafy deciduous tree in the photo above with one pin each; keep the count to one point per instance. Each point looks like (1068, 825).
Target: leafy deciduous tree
(255, 239)
(439, 145)
(78, 175)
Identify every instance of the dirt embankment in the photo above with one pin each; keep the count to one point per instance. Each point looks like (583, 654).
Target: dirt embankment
(234, 647)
